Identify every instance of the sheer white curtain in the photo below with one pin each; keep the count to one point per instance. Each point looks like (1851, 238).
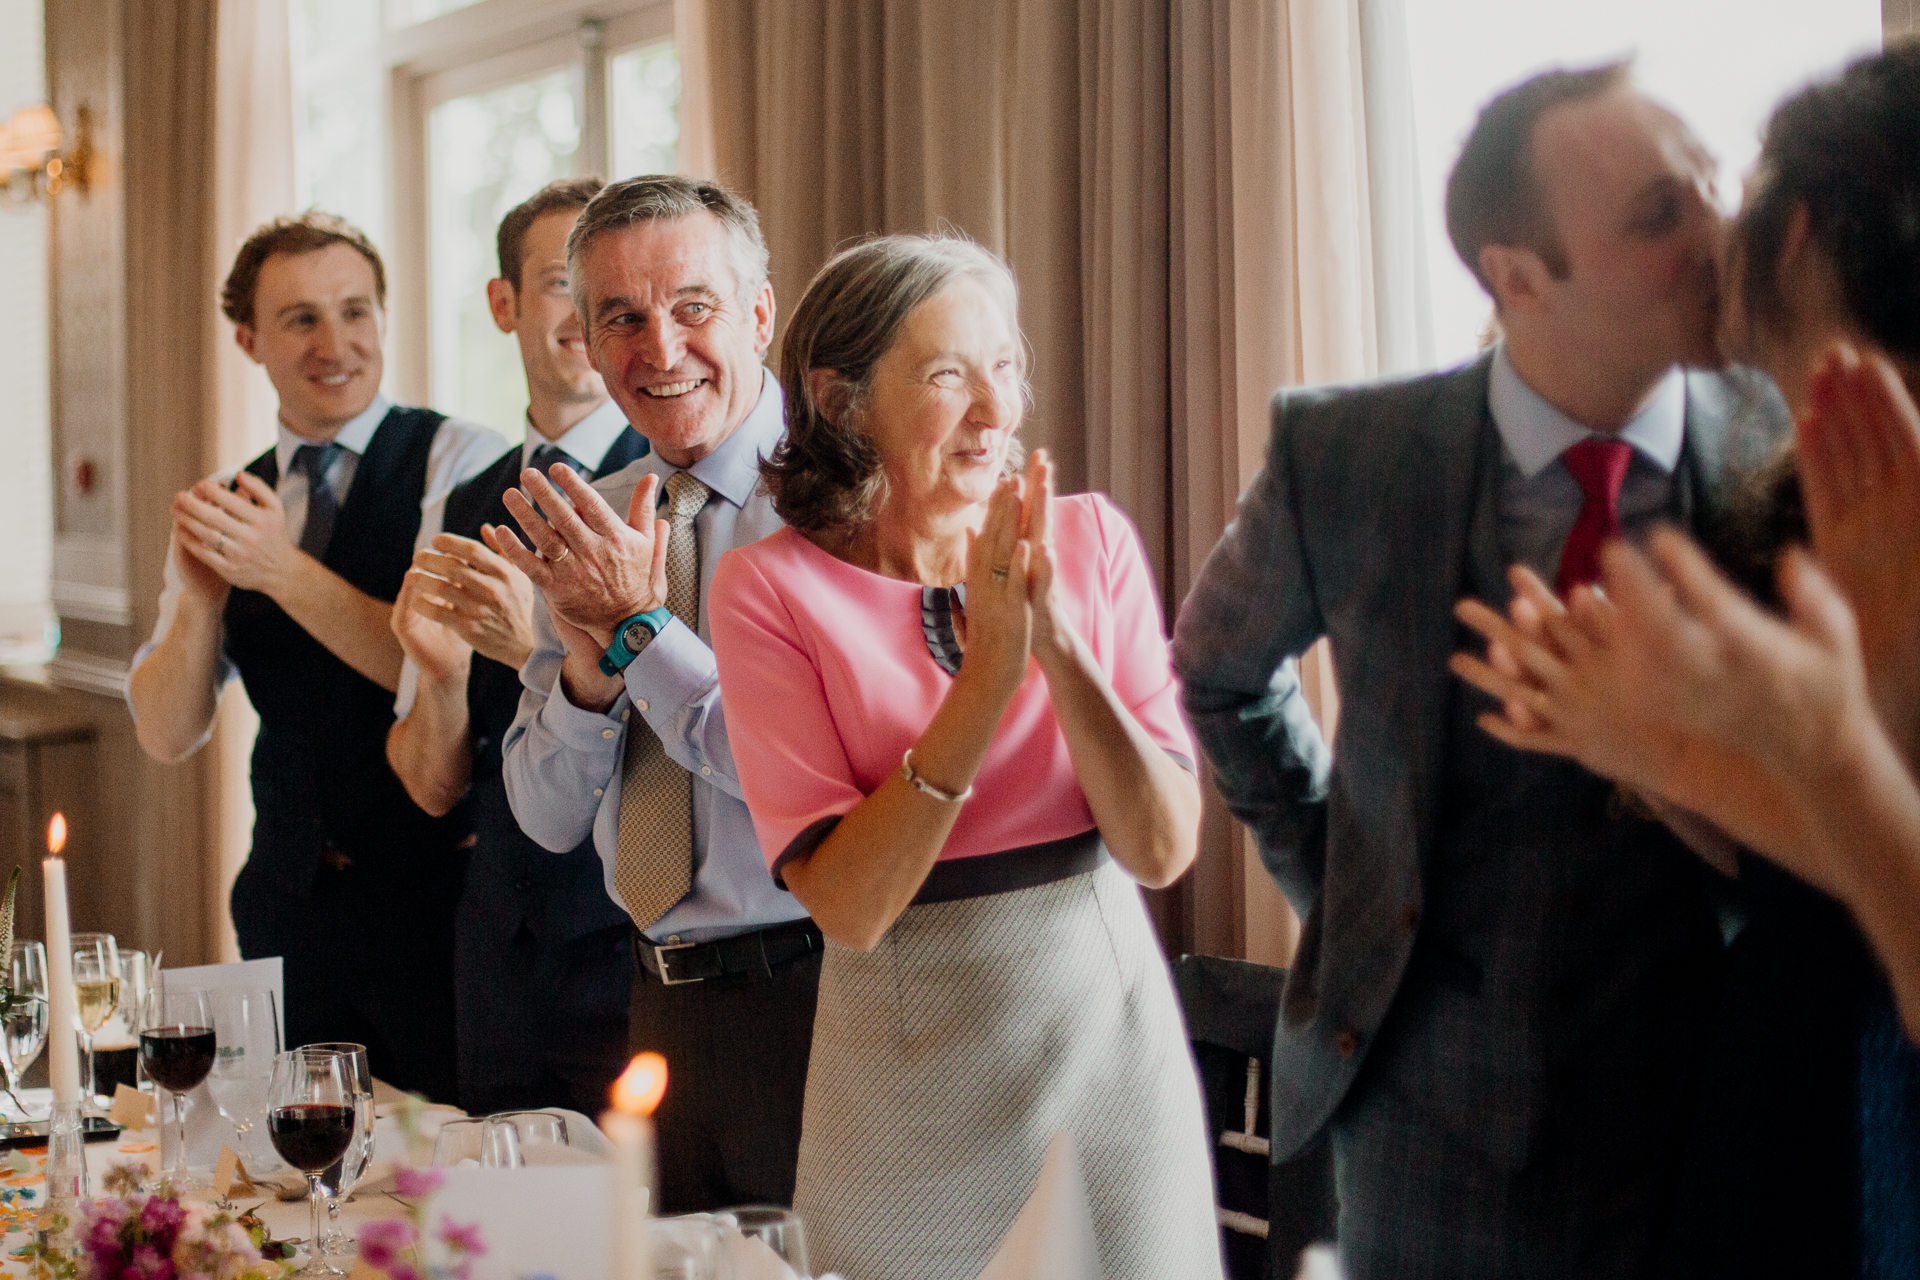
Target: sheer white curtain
(252, 182)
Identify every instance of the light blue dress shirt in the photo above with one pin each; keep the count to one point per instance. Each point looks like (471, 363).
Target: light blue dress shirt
(1539, 498)
(563, 762)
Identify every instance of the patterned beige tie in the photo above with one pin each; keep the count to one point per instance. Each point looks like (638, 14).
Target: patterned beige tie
(654, 866)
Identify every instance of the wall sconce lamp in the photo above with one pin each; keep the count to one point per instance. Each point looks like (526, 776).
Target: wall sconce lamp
(31, 163)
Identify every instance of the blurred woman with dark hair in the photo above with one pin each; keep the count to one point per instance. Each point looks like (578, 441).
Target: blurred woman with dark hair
(1804, 1156)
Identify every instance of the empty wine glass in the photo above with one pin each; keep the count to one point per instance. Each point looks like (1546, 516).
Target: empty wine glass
(247, 1034)
(344, 1174)
(96, 992)
(533, 1128)
(476, 1142)
(177, 1045)
(138, 973)
(25, 1031)
(310, 1117)
(777, 1228)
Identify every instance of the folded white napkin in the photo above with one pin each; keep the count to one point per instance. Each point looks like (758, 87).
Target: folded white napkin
(1052, 1239)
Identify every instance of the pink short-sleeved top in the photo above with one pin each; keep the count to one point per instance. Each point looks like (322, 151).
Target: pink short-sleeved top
(829, 681)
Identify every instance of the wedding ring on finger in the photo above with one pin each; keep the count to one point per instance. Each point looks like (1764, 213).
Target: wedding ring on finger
(220, 544)
(565, 551)
(999, 574)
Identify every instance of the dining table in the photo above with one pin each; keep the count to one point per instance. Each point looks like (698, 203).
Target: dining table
(23, 1186)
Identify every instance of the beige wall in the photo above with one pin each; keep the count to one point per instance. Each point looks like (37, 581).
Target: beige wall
(128, 301)
(1902, 17)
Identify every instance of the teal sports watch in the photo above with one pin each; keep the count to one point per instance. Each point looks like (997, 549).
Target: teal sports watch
(631, 636)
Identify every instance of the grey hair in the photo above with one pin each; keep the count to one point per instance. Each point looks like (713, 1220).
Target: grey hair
(656, 197)
(826, 474)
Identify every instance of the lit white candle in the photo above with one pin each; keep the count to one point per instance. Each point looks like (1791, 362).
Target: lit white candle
(63, 1012)
(629, 1127)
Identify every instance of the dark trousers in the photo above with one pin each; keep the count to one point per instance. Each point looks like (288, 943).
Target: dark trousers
(366, 958)
(540, 1026)
(736, 1051)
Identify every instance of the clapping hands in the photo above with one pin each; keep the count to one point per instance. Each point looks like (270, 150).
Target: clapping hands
(1671, 681)
(1011, 611)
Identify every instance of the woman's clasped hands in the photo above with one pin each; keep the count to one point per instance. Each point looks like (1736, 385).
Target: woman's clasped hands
(1011, 612)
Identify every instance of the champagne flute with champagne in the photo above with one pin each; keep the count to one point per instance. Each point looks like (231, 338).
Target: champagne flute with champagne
(96, 990)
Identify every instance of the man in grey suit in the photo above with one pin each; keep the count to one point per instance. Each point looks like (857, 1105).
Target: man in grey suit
(1504, 972)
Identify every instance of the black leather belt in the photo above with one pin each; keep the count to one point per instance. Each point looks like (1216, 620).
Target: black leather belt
(759, 952)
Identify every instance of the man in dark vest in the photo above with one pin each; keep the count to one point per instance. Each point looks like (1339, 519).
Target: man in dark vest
(285, 575)
(543, 958)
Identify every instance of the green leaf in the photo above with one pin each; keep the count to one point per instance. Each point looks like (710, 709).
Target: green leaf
(6, 913)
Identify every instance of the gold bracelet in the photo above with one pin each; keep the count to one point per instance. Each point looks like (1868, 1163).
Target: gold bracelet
(919, 783)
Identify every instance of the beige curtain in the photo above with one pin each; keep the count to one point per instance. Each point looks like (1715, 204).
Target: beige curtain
(1184, 191)
(252, 182)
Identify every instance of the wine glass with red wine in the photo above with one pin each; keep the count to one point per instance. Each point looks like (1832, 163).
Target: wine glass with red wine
(310, 1118)
(177, 1047)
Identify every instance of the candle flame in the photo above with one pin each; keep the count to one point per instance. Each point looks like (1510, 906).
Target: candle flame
(641, 1086)
(57, 833)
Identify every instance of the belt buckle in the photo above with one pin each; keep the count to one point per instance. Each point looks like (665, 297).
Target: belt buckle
(660, 950)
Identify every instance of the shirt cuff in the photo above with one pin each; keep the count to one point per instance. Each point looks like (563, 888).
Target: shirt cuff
(578, 728)
(674, 670)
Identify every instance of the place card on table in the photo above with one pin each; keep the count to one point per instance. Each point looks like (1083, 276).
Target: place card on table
(132, 1109)
(230, 1175)
(548, 1221)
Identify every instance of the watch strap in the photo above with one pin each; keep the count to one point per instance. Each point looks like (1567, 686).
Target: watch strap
(618, 656)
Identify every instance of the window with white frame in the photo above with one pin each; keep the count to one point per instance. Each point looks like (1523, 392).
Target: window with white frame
(425, 121)
(1721, 64)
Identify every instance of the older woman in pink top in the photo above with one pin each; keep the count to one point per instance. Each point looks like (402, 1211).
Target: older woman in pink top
(950, 703)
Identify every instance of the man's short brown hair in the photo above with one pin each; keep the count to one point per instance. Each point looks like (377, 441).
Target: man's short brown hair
(563, 194)
(307, 233)
(1493, 194)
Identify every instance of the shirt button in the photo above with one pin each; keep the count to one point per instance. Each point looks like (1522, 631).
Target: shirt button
(607, 733)
(706, 771)
(599, 791)
(1346, 1043)
(627, 711)
(640, 703)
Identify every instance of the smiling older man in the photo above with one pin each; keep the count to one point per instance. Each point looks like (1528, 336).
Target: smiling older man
(284, 574)
(670, 277)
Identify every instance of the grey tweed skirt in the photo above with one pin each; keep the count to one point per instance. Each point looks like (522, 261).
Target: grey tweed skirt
(947, 1057)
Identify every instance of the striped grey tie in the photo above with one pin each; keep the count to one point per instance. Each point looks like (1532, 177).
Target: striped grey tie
(653, 868)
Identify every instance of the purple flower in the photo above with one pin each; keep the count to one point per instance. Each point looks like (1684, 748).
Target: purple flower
(161, 1219)
(150, 1264)
(402, 1271)
(415, 1183)
(465, 1240)
(382, 1241)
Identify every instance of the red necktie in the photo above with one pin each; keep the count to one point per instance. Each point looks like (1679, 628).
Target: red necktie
(1599, 466)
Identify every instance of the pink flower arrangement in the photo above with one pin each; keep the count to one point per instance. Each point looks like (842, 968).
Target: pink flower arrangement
(154, 1237)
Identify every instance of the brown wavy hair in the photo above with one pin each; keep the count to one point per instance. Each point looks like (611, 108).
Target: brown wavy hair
(308, 233)
(826, 474)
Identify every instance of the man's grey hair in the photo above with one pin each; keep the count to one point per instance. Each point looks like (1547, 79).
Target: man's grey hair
(665, 196)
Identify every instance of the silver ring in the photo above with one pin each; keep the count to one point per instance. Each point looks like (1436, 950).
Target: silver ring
(999, 575)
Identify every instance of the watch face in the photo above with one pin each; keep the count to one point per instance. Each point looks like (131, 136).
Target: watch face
(635, 637)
